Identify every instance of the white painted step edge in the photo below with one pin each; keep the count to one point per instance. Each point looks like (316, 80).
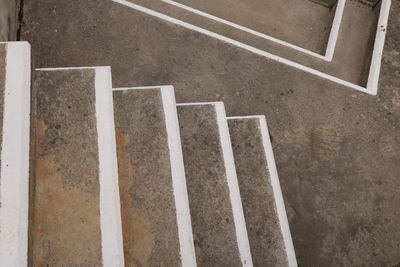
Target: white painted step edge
(280, 205)
(110, 209)
(233, 184)
(110, 205)
(14, 195)
(187, 252)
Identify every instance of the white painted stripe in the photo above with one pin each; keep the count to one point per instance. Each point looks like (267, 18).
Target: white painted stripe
(110, 211)
(245, 46)
(253, 32)
(276, 187)
(14, 181)
(178, 178)
(333, 36)
(197, 103)
(234, 193)
(68, 68)
(376, 60)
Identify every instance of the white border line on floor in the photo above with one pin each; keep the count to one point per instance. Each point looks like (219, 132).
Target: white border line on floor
(110, 209)
(330, 47)
(372, 85)
(280, 205)
(14, 181)
(184, 222)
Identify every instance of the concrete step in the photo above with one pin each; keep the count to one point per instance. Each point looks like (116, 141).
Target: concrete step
(15, 81)
(75, 202)
(219, 229)
(154, 202)
(268, 229)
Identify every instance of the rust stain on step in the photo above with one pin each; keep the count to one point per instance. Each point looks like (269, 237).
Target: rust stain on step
(137, 226)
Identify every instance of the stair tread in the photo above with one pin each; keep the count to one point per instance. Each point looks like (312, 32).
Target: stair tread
(257, 191)
(211, 209)
(146, 179)
(67, 228)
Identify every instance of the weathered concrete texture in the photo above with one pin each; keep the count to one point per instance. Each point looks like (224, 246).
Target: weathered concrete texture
(8, 20)
(148, 211)
(3, 64)
(337, 150)
(65, 223)
(305, 23)
(210, 206)
(352, 53)
(262, 221)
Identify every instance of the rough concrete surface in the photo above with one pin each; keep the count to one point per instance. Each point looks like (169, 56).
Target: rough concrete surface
(209, 198)
(8, 20)
(262, 221)
(337, 150)
(305, 23)
(149, 220)
(353, 49)
(65, 223)
(3, 64)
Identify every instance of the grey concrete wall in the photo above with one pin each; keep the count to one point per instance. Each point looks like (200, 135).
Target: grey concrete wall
(8, 19)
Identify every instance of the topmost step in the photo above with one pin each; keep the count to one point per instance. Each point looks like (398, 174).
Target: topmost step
(15, 78)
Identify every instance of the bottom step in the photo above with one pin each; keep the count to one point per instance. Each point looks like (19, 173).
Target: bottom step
(267, 225)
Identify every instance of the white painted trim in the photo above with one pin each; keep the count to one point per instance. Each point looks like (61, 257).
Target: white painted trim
(276, 188)
(280, 205)
(184, 222)
(69, 68)
(15, 157)
(330, 45)
(372, 84)
(379, 44)
(110, 210)
(178, 178)
(333, 36)
(233, 184)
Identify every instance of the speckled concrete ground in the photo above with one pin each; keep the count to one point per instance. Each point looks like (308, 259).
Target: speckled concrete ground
(148, 211)
(209, 197)
(65, 223)
(259, 206)
(337, 150)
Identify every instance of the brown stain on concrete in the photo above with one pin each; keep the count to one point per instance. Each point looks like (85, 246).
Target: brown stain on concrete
(138, 235)
(62, 232)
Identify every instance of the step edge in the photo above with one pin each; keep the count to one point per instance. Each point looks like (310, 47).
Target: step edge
(279, 202)
(186, 240)
(110, 210)
(233, 184)
(15, 149)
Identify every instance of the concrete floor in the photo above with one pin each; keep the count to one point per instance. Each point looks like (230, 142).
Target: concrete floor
(300, 22)
(337, 150)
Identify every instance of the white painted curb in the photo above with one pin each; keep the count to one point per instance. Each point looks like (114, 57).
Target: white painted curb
(14, 181)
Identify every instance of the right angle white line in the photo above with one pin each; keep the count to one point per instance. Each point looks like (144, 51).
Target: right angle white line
(243, 46)
(256, 33)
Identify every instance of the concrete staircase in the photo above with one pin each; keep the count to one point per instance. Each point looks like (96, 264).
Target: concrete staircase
(112, 184)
